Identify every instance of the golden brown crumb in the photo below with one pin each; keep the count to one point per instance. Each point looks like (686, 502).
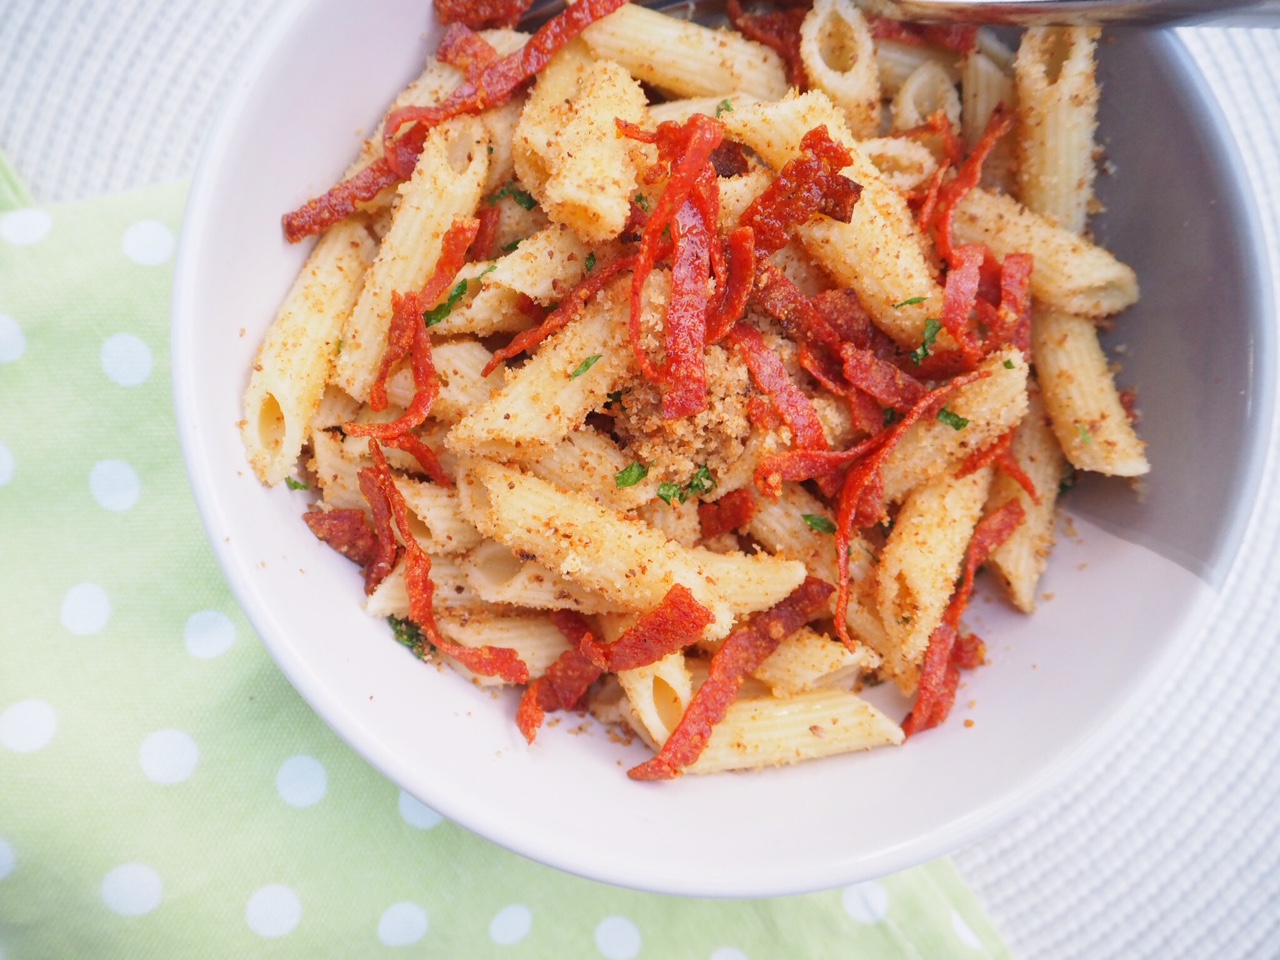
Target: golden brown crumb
(715, 438)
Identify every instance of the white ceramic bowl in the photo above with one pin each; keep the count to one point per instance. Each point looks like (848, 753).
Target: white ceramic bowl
(1130, 588)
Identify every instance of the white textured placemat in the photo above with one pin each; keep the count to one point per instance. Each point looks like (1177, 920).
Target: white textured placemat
(1169, 846)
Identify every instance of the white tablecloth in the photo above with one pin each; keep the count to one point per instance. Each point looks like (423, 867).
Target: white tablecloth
(1167, 846)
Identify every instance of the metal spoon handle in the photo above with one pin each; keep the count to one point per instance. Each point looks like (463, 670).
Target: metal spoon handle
(1255, 13)
(1225, 13)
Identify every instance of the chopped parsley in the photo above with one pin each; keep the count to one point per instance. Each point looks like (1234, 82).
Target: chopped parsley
(437, 314)
(510, 247)
(701, 482)
(1008, 364)
(932, 327)
(669, 491)
(492, 267)
(818, 523)
(585, 365)
(522, 197)
(1085, 436)
(724, 106)
(909, 303)
(641, 201)
(1068, 481)
(293, 484)
(612, 397)
(890, 416)
(591, 261)
(952, 420)
(631, 475)
(407, 633)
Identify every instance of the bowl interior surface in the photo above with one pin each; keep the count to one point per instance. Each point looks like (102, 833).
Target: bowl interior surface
(1130, 583)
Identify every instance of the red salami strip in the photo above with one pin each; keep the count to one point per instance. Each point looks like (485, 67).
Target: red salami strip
(488, 661)
(771, 377)
(493, 86)
(940, 674)
(348, 532)
(741, 653)
(807, 184)
(676, 622)
(731, 512)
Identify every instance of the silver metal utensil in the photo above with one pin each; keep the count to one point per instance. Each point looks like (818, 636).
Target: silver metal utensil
(1255, 13)
(1260, 13)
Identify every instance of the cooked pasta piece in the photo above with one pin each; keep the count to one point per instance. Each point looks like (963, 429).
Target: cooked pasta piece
(920, 563)
(839, 59)
(293, 364)
(685, 58)
(1088, 416)
(446, 183)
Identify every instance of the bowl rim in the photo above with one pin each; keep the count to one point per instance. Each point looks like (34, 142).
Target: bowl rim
(200, 205)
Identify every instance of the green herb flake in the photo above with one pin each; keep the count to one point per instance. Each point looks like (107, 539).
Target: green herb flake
(1008, 364)
(510, 247)
(522, 197)
(492, 267)
(890, 416)
(818, 523)
(932, 327)
(437, 314)
(641, 201)
(669, 491)
(406, 632)
(1068, 481)
(1085, 436)
(585, 365)
(952, 420)
(632, 475)
(724, 106)
(702, 482)
(293, 484)
(613, 397)
(591, 261)
(910, 303)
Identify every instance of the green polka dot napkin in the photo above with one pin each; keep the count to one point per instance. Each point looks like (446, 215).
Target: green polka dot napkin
(163, 790)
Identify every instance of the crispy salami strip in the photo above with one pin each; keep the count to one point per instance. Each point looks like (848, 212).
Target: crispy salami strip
(480, 14)
(960, 298)
(684, 373)
(740, 276)
(861, 501)
(967, 177)
(350, 533)
(494, 86)
(677, 621)
(1012, 323)
(487, 661)
(800, 317)
(742, 652)
(566, 681)
(384, 560)
(465, 49)
(686, 149)
(417, 448)
(940, 673)
(771, 377)
(807, 184)
(779, 31)
(731, 512)
(880, 379)
(569, 309)
(959, 38)
(408, 335)
(1000, 454)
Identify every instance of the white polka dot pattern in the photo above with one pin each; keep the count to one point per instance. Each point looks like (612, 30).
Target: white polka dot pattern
(28, 726)
(126, 360)
(302, 781)
(132, 890)
(22, 228)
(618, 938)
(273, 911)
(402, 925)
(168, 757)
